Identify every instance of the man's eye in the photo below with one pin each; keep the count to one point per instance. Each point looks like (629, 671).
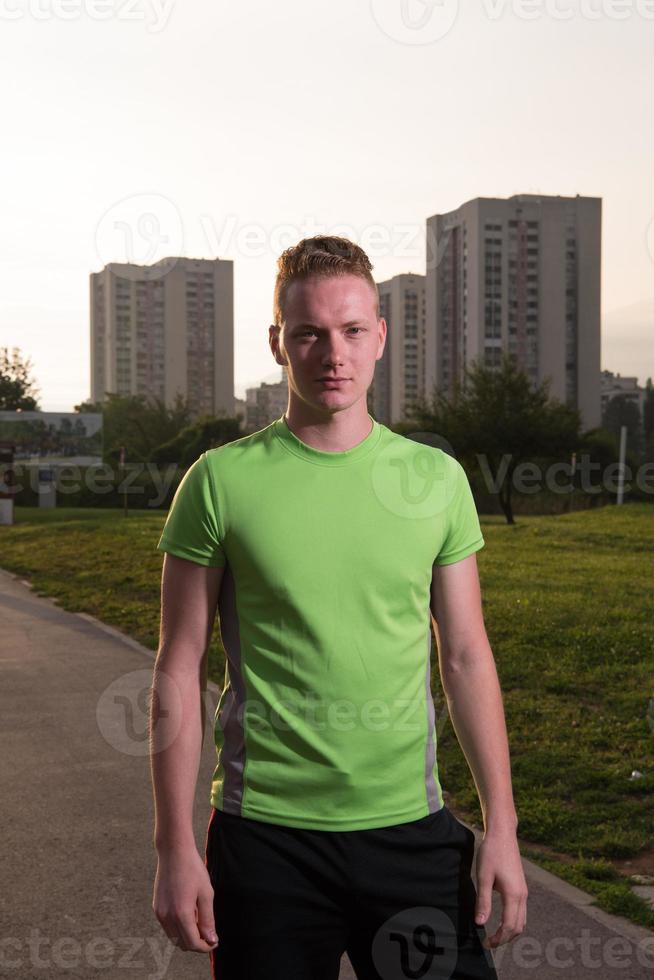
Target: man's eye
(309, 330)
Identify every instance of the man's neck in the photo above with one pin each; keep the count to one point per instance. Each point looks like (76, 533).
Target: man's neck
(330, 432)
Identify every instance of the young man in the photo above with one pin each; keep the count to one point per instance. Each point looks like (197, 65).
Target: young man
(326, 540)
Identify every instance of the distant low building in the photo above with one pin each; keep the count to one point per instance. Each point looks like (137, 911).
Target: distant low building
(614, 385)
(39, 446)
(240, 408)
(47, 438)
(264, 404)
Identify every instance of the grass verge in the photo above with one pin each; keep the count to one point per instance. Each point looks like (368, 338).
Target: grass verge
(568, 609)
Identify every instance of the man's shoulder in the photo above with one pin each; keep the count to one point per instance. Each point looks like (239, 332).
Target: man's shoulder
(245, 447)
(419, 443)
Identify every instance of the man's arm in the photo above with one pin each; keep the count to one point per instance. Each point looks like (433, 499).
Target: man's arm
(189, 596)
(472, 690)
(471, 687)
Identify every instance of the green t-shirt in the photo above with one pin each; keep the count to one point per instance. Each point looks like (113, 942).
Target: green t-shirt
(326, 719)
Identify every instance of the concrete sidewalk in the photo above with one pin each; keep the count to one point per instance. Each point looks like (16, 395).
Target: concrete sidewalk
(77, 816)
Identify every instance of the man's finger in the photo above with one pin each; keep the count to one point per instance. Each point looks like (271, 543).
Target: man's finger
(206, 924)
(508, 927)
(484, 898)
(523, 915)
(191, 940)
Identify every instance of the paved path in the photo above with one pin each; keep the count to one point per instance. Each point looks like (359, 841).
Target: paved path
(77, 817)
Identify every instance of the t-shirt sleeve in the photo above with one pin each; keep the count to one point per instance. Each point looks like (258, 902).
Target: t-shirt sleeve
(462, 529)
(192, 528)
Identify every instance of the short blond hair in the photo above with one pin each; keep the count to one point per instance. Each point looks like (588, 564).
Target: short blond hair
(324, 256)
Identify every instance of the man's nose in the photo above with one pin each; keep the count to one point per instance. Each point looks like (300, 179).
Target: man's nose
(333, 350)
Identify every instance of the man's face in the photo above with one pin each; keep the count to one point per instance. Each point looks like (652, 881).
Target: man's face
(331, 331)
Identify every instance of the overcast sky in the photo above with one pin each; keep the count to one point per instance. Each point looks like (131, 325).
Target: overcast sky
(243, 128)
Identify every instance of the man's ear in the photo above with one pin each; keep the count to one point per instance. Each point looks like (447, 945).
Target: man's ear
(274, 332)
(385, 338)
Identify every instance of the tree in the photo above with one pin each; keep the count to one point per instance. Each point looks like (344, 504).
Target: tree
(195, 439)
(139, 423)
(17, 387)
(496, 414)
(602, 450)
(620, 411)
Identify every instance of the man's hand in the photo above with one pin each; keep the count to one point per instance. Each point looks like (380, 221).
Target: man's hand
(183, 901)
(499, 867)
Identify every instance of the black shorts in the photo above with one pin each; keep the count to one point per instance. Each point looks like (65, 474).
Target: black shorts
(400, 900)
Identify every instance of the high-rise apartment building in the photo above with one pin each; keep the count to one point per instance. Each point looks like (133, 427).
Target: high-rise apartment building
(520, 275)
(165, 329)
(400, 373)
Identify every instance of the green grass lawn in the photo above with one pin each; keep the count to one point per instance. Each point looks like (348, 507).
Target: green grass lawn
(568, 604)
